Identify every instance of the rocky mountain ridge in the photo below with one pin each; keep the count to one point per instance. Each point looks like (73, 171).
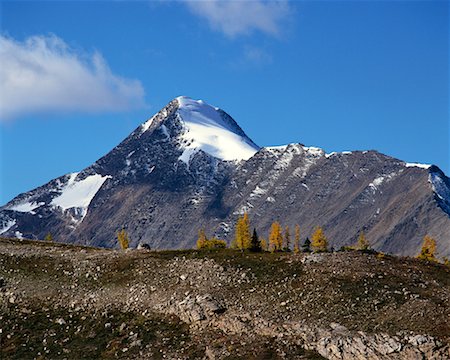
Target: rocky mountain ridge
(191, 165)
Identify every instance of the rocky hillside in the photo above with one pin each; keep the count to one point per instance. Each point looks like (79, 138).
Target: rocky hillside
(63, 301)
(191, 165)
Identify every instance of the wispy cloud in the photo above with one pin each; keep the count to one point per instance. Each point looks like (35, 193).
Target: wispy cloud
(251, 58)
(43, 74)
(241, 17)
(257, 56)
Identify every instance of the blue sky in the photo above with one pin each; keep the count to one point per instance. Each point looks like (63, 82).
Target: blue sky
(77, 77)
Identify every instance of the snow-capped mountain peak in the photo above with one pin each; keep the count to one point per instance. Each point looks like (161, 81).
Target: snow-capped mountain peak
(194, 125)
(211, 130)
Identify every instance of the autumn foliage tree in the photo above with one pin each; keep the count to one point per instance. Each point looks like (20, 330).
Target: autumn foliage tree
(48, 237)
(242, 239)
(204, 243)
(428, 249)
(275, 237)
(202, 239)
(297, 239)
(123, 239)
(319, 241)
(264, 245)
(215, 243)
(363, 244)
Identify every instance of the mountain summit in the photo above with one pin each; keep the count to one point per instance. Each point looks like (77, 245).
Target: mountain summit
(192, 166)
(211, 130)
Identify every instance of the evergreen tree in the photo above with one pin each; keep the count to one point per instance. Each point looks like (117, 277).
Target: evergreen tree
(255, 243)
(306, 247)
(275, 237)
(202, 239)
(123, 239)
(297, 239)
(287, 239)
(428, 249)
(362, 242)
(319, 240)
(48, 237)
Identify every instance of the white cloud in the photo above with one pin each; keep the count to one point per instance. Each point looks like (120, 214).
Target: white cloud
(236, 17)
(43, 74)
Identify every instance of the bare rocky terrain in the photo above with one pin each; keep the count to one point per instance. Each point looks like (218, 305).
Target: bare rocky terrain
(72, 302)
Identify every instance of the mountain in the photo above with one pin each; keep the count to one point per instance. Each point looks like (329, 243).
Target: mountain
(191, 165)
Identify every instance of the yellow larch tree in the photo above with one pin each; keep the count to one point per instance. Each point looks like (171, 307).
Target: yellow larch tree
(202, 239)
(428, 249)
(123, 239)
(319, 241)
(264, 245)
(363, 244)
(242, 239)
(297, 239)
(275, 237)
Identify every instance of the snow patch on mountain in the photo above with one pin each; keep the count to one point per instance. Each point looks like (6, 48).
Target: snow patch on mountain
(276, 149)
(6, 226)
(338, 153)
(314, 151)
(295, 149)
(145, 126)
(422, 166)
(376, 183)
(206, 129)
(26, 207)
(440, 187)
(186, 155)
(257, 192)
(164, 130)
(79, 194)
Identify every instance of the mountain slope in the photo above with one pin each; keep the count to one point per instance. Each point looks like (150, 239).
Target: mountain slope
(81, 302)
(191, 165)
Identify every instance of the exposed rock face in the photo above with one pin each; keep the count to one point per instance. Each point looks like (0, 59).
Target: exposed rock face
(191, 165)
(194, 308)
(337, 343)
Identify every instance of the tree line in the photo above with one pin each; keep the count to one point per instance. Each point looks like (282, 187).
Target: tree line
(279, 239)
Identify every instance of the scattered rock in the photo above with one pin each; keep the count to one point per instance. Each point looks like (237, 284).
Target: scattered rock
(194, 308)
(143, 246)
(312, 258)
(61, 321)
